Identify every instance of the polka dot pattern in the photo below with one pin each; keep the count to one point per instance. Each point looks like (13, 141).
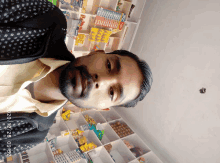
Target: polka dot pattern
(19, 10)
(18, 42)
(13, 129)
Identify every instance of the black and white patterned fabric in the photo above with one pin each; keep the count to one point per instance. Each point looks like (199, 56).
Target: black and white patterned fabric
(19, 10)
(31, 29)
(18, 41)
(17, 127)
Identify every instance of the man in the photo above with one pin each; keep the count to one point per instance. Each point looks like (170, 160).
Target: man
(97, 80)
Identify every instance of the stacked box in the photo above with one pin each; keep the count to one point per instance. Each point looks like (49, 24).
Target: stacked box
(61, 158)
(110, 19)
(74, 156)
(121, 129)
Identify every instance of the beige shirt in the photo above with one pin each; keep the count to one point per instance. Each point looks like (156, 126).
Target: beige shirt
(14, 78)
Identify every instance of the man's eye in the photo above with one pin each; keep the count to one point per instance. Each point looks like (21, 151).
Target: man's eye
(109, 65)
(111, 93)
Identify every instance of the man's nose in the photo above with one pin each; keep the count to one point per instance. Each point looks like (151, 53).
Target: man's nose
(103, 80)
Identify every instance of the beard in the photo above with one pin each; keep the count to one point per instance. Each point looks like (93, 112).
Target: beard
(67, 82)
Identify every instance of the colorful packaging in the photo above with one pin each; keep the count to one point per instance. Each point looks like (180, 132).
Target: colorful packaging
(110, 19)
(85, 127)
(72, 27)
(84, 6)
(80, 39)
(78, 3)
(99, 35)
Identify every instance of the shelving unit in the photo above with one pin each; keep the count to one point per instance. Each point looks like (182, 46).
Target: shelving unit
(120, 40)
(119, 152)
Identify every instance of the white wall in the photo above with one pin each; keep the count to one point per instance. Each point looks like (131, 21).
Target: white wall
(180, 40)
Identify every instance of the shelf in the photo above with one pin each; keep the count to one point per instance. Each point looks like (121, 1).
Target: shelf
(41, 153)
(109, 4)
(112, 45)
(92, 6)
(66, 144)
(98, 118)
(120, 152)
(151, 157)
(69, 43)
(85, 46)
(110, 115)
(86, 26)
(109, 134)
(125, 8)
(137, 142)
(137, 11)
(127, 41)
(68, 7)
(91, 137)
(100, 155)
(76, 120)
(57, 127)
(134, 161)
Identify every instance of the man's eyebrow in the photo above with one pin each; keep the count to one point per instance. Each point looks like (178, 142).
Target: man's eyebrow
(117, 64)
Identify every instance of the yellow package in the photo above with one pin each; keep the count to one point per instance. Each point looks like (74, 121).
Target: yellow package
(93, 34)
(80, 39)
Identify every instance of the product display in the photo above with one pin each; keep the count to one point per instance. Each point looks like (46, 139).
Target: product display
(74, 156)
(98, 133)
(86, 147)
(99, 35)
(66, 115)
(78, 3)
(95, 48)
(128, 144)
(9, 159)
(108, 147)
(67, 14)
(118, 5)
(136, 151)
(73, 27)
(110, 19)
(52, 144)
(121, 129)
(82, 140)
(89, 119)
(80, 39)
(26, 161)
(76, 133)
(141, 160)
(84, 6)
(60, 158)
(25, 157)
(85, 127)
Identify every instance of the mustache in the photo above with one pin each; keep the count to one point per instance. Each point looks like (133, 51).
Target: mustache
(84, 71)
(85, 74)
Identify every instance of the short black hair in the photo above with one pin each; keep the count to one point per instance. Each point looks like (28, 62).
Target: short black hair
(146, 72)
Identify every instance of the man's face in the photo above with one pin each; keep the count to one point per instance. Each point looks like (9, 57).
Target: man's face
(101, 80)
